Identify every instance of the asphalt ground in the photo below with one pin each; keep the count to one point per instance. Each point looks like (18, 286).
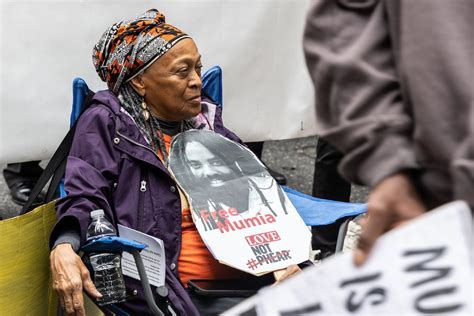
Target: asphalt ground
(294, 158)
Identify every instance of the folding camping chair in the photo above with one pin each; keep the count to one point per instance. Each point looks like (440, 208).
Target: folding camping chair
(314, 211)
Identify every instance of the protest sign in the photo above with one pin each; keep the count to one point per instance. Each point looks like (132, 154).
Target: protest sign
(243, 216)
(423, 267)
(153, 256)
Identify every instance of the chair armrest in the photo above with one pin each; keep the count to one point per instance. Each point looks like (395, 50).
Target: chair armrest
(112, 244)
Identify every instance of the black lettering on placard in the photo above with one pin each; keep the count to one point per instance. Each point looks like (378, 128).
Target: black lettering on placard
(438, 273)
(436, 309)
(310, 309)
(362, 279)
(379, 297)
(261, 249)
(376, 294)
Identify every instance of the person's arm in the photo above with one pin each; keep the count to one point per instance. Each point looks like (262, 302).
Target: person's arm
(67, 269)
(360, 108)
(92, 166)
(285, 274)
(67, 232)
(70, 276)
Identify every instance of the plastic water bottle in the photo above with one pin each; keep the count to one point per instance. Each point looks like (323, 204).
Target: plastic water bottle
(108, 278)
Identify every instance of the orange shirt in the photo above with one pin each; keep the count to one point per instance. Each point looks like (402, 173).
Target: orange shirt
(195, 261)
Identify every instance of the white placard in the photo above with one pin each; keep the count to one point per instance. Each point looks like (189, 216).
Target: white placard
(153, 256)
(47, 43)
(242, 214)
(423, 267)
(262, 243)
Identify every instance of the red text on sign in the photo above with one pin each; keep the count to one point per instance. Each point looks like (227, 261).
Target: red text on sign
(263, 238)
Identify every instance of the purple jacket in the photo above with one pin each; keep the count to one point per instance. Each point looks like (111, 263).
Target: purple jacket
(112, 167)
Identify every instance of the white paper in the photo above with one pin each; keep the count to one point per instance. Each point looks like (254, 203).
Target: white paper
(153, 256)
(47, 43)
(422, 267)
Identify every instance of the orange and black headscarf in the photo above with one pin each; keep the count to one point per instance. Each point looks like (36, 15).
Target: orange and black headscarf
(129, 47)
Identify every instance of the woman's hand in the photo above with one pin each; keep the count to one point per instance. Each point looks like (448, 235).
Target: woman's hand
(391, 203)
(70, 276)
(282, 275)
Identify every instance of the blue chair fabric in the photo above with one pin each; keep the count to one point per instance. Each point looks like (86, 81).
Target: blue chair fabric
(79, 94)
(318, 212)
(212, 84)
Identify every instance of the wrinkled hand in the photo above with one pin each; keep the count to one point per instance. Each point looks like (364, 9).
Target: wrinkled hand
(392, 202)
(70, 276)
(282, 275)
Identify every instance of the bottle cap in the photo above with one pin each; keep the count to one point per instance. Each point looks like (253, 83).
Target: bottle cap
(97, 213)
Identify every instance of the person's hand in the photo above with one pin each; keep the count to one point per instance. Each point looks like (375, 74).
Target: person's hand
(70, 276)
(282, 275)
(392, 202)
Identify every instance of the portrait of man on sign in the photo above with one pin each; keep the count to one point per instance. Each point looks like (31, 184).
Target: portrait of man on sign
(223, 179)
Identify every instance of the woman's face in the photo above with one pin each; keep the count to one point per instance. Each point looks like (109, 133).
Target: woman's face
(172, 84)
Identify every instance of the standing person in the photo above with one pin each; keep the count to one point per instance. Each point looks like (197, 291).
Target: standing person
(257, 149)
(21, 178)
(394, 95)
(328, 184)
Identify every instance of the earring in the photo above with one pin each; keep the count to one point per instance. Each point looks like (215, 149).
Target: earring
(145, 113)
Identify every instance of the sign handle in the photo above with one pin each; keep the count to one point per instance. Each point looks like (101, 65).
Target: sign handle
(278, 274)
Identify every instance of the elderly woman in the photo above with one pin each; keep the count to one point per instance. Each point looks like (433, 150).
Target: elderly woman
(119, 163)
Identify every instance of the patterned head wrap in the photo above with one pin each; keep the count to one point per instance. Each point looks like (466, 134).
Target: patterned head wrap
(129, 47)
